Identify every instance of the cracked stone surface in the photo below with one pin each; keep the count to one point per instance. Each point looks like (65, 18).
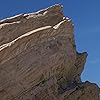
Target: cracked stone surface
(39, 60)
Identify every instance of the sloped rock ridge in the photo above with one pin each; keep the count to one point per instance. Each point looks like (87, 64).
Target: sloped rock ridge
(39, 61)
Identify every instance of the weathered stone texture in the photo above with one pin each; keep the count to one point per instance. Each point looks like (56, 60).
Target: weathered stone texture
(39, 61)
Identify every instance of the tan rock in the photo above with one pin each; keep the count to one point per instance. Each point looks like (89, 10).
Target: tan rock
(39, 61)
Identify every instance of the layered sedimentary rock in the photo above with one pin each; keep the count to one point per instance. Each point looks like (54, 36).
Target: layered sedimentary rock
(39, 61)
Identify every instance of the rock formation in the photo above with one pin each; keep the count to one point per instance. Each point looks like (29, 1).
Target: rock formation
(39, 61)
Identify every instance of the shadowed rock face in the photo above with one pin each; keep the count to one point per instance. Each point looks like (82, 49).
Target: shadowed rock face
(39, 61)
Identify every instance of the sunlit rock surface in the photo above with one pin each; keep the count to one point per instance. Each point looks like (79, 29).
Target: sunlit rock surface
(39, 61)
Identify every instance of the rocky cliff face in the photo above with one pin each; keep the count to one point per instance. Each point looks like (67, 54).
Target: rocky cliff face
(39, 61)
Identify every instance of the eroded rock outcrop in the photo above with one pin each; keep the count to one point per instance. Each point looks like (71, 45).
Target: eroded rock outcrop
(39, 61)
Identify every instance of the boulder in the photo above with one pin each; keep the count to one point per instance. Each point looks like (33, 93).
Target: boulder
(39, 60)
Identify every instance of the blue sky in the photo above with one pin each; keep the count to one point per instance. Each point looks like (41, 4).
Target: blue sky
(86, 17)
